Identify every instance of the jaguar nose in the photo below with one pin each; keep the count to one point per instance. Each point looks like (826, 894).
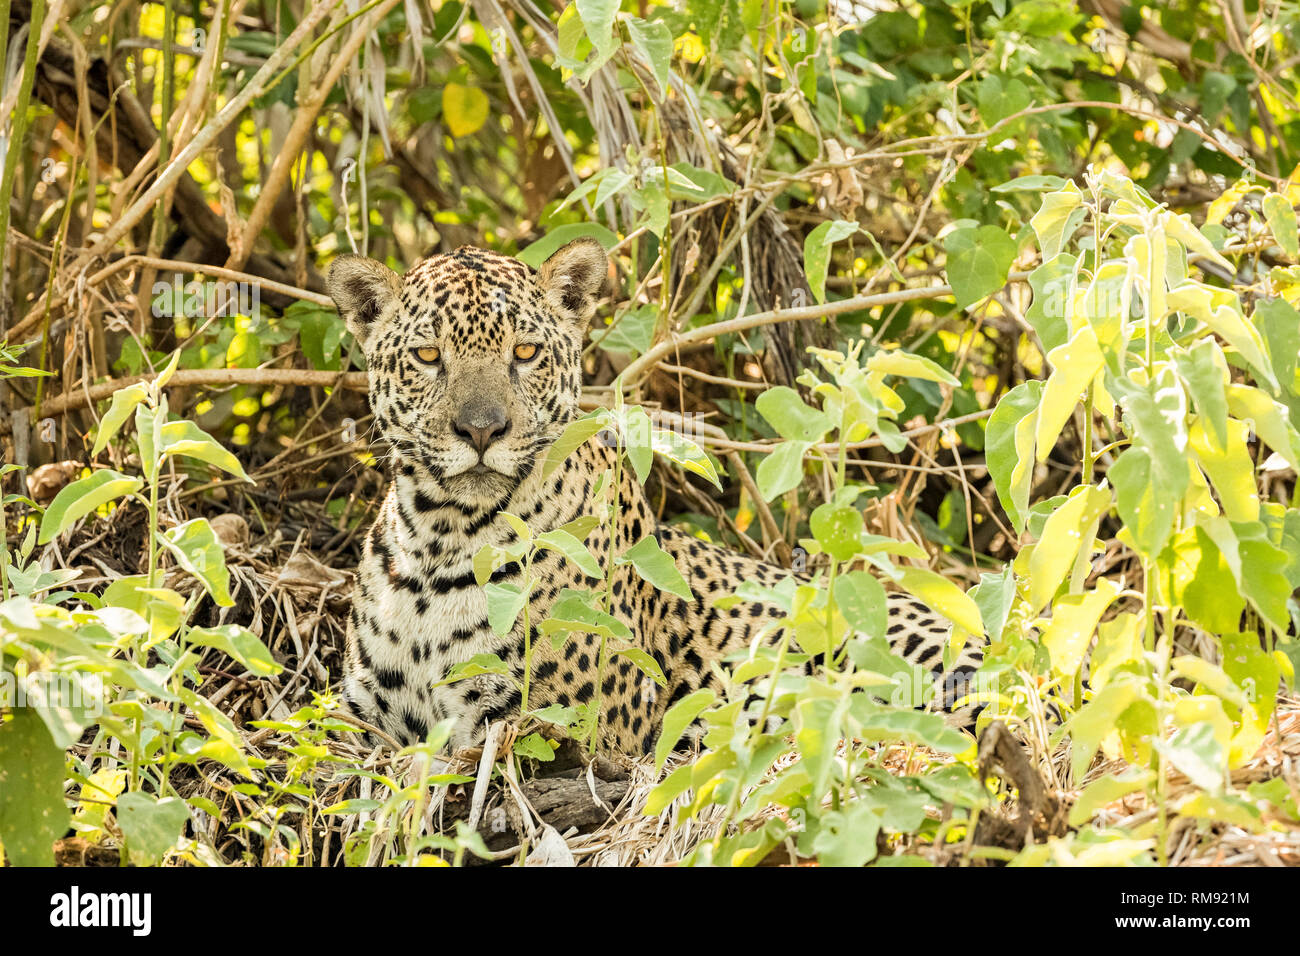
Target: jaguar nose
(480, 424)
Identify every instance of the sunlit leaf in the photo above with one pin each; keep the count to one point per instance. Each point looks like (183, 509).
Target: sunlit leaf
(656, 565)
(465, 109)
(123, 405)
(1009, 448)
(198, 550)
(83, 496)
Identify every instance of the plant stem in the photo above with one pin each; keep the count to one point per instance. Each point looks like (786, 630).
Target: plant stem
(1088, 459)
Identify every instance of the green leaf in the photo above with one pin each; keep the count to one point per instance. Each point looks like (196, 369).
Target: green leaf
(1203, 583)
(979, 260)
(1067, 535)
(1074, 618)
(151, 826)
(819, 727)
(1074, 366)
(791, 416)
(644, 663)
(838, 529)
(1225, 808)
(678, 717)
(1203, 371)
(539, 251)
(241, 644)
(33, 813)
(1030, 184)
(1252, 669)
(1220, 310)
(165, 376)
(504, 602)
(557, 714)
(1230, 468)
(684, 452)
(1000, 97)
(1269, 420)
(198, 550)
(320, 333)
(1059, 215)
(352, 806)
(861, 599)
(1106, 790)
(1211, 677)
(655, 42)
(656, 565)
(573, 549)
(573, 611)
(1009, 448)
(943, 596)
(782, 469)
(1198, 754)
(476, 666)
(630, 334)
(1257, 565)
(576, 434)
(124, 402)
(598, 17)
(186, 438)
(638, 443)
(1280, 215)
(896, 362)
(1146, 509)
(1279, 322)
(465, 108)
(82, 497)
(994, 596)
(1156, 416)
(879, 722)
(612, 182)
(696, 183)
(846, 837)
(534, 746)
(817, 252)
(148, 421)
(1098, 718)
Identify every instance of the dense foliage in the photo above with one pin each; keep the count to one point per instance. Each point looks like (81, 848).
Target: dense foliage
(991, 302)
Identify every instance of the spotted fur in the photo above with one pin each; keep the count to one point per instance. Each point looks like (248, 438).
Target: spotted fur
(417, 608)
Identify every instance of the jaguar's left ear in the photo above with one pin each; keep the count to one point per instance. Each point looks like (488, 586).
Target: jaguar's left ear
(574, 277)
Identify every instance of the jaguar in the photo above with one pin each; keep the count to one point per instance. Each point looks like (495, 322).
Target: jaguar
(474, 367)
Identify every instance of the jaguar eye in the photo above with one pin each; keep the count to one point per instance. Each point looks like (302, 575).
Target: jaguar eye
(525, 353)
(428, 355)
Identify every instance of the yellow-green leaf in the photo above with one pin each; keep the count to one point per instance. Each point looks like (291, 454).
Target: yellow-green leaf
(1074, 618)
(82, 497)
(1074, 365)
(1230, 469)
(465, 108)
(943, 596)
(124, 402)
(1068, 532)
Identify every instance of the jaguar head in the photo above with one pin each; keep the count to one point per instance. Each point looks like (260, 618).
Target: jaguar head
(473, 358)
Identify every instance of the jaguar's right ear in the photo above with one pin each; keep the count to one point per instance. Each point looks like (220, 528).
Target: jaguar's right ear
(361, 288)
